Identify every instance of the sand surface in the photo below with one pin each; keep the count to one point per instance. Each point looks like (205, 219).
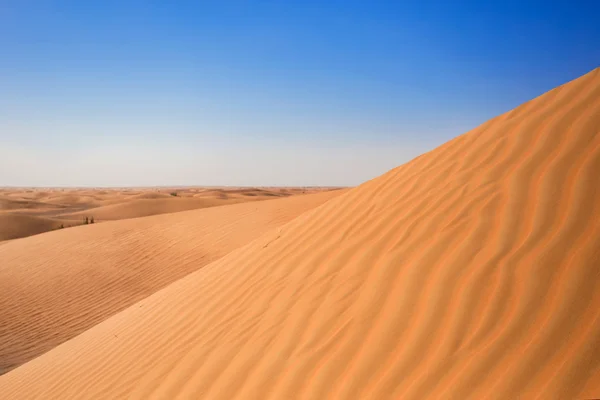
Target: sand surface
(13, 226)
(471, 272)
(55, 286)
(26, 212)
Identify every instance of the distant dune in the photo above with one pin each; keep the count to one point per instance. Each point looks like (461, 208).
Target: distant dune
(18, 226)
(10, 204)
(470, 272)
(36, 211)
(56, 285)
(144, 207)
(147, 204)
(153, 195)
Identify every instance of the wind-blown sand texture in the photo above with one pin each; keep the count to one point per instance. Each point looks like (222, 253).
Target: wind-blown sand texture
(26, 212)
(469, 272)
(55, 286)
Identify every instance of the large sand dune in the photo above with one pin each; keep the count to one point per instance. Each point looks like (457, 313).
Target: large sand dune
(469, 272)
(56, 285)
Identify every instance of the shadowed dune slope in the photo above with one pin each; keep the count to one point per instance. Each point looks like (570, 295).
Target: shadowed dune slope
(469, 272)
(18, 226)
(56, 285)
(153, 195)
(8, 204)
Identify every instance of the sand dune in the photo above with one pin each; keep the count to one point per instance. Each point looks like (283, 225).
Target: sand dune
(54, 286)
(469, 272)
(153, 195)
(143, 207)
(73, 198)
(18, 226)
(70, 206)
(8, 204)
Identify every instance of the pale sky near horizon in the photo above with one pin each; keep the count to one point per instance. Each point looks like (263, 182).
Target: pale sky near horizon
(264, 93)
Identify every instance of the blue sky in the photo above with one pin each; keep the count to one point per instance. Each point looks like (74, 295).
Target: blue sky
(137, 93)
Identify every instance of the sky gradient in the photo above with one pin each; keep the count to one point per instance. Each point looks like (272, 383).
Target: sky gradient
(247, 93)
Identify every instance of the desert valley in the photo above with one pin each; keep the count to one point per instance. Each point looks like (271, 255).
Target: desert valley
(470, 272)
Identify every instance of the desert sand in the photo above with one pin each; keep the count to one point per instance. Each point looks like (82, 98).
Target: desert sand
(55, 286)
(469, 272)
(13, 226)
(26, 212)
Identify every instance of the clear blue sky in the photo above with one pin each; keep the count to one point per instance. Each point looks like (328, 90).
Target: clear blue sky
(120, 93)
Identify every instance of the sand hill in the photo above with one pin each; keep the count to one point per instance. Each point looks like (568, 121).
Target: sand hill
(469, 272)
(145, 207)
(152, 203)
(27, 212)
(18, 226)
(55, 286)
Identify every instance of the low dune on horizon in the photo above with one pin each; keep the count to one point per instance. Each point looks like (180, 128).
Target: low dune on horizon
(470, 272)
(31, 211)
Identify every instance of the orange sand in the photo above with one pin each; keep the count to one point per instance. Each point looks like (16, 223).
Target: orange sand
(470, 272)
(13, 226)
(55, 286)
(26, 212)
